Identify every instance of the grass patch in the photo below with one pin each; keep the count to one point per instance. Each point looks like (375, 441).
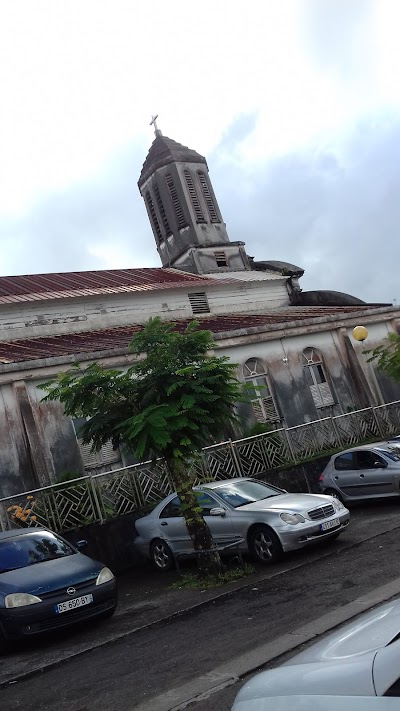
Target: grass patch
(227, 575)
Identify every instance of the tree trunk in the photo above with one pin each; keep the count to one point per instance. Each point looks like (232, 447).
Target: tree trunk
(209, 562)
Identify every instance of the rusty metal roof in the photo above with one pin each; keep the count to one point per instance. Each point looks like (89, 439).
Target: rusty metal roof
(38, 287)
(117, 338)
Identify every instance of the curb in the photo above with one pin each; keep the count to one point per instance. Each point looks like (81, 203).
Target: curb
(231, 672)
(57, 662)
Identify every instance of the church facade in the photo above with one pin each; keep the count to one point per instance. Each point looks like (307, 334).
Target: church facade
(294, 347)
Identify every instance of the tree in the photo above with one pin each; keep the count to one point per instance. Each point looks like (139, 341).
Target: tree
(170, 403)
(387, 356)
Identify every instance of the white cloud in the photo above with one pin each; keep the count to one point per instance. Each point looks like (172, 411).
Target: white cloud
(79, 80)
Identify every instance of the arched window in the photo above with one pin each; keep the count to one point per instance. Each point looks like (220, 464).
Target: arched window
(153, 217)
(208, 197)
(255, 374)
(316, 379)
(194, 196)
(180, 217)
(161, 210)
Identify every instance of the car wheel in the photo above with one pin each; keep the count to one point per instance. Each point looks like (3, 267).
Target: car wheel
(264, 544)
(161, 555)
(334, 493)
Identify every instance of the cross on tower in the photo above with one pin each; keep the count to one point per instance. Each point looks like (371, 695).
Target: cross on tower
(153, 122)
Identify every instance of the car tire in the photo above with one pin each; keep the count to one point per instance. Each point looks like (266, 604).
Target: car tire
(161, 555)
(264, 544)
(334, 493)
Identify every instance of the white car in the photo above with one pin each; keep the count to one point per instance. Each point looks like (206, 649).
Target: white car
(361, 659)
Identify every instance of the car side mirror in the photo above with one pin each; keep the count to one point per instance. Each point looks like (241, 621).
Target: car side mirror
(81, 545)
(217, 512)
(380, 465)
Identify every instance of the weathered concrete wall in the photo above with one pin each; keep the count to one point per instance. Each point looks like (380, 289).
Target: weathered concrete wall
(44, 318)
(38, 441)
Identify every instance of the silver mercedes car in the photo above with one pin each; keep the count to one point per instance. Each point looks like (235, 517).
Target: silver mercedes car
(264, 520)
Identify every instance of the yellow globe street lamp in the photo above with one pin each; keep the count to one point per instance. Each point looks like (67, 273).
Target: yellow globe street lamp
(360, 333)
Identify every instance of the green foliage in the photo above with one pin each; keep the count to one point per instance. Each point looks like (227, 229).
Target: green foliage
(387, 356)
(226, 575)
(170, 403)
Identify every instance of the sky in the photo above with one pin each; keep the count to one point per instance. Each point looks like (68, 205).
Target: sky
(295, 104)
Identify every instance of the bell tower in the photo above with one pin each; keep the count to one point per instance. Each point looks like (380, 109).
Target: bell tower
(183, 211)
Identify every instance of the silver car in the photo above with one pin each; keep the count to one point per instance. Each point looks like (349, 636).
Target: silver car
(266, 520)
(361, 659)
(366, 472)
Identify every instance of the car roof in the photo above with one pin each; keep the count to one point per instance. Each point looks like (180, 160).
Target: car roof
(369, 447)
(21, 532)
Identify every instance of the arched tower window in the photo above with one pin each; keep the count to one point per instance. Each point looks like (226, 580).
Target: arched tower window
(212, 210)
(194, 196)
(255, 374)
(161, 210)
(314, 372)
(180, 216)
(153, 217)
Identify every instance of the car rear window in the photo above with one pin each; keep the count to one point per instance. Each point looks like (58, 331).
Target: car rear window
(392, 453)
(22, 551)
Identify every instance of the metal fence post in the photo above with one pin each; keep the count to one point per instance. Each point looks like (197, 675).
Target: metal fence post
(235, 458)
(97, 500)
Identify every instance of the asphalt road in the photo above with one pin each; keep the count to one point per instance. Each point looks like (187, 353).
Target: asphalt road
(142, 665)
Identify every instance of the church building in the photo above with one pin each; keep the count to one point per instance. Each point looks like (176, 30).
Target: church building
(295, 347)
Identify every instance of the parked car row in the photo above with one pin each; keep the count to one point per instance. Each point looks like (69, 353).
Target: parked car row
(47, 583)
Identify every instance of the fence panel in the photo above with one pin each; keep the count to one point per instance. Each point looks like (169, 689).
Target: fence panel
(359, 426)
(388, 418)
(94, 499)
(313, 438)
(262, 452)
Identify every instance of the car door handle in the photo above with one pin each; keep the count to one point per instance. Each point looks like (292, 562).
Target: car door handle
(164, 523)
(362, 476)
(336, 477)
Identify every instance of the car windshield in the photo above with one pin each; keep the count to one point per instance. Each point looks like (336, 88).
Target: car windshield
(245, 492)
(392, 453)
(21, 551)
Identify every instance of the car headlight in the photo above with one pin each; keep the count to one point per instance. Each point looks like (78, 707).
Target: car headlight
(20, 600)
(338, 504)
(292, 518)
(104, 576)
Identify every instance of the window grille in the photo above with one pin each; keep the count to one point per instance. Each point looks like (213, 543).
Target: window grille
(153, 217)
(199, 303)
(208, 197)
(176, 203)
(262, 402)
(221, 259)
(316, 379)
(161, 210)
(194, 196)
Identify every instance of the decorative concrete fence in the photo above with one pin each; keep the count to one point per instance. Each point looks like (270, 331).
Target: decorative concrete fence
(96, 499)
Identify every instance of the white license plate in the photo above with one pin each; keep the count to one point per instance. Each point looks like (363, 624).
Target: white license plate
(72, 604)
(329, 524)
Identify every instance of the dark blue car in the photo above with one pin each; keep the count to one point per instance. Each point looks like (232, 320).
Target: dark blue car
(46, 584)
